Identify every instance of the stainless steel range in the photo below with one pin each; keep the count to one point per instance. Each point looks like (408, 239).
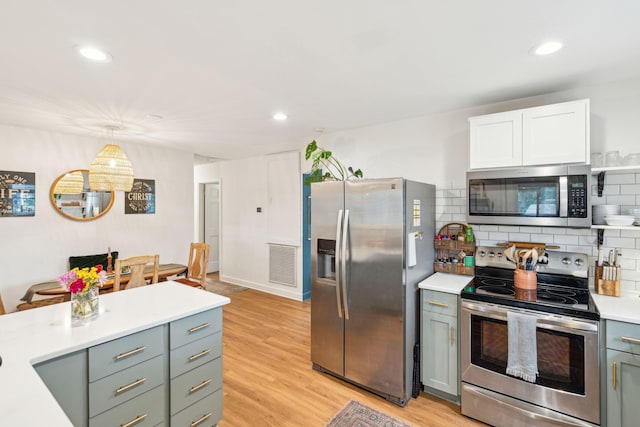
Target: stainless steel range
(566, 391)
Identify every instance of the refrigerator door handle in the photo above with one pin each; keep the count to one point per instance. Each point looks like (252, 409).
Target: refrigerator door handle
(343, 261)
(337, 267)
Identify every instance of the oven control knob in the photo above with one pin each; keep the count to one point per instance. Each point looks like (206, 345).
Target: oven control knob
(481, 253)
(491, 254)
(566, 261)
(579, 262)
(500, 254)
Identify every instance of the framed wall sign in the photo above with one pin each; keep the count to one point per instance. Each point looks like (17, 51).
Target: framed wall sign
(17, 193)
(142, 197)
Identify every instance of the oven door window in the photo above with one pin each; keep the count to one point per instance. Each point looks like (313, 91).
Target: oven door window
(519, 197)
(560, 355)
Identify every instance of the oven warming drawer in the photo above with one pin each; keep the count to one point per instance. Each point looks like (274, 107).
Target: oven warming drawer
(500, 410)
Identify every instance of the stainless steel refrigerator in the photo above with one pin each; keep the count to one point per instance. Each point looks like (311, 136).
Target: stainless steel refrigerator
(372, 242)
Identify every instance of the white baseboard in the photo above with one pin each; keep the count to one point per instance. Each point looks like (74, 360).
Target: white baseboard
(286, 292)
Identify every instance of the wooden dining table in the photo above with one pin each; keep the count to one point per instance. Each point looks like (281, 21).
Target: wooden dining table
(53, 288)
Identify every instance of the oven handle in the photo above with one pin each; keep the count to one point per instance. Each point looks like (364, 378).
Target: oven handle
(544, 321)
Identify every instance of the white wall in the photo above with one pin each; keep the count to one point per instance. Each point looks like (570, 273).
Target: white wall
(435, 148)
(36, 249)
(245, 234)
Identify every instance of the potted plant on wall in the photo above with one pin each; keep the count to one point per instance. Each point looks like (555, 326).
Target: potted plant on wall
(326, 167)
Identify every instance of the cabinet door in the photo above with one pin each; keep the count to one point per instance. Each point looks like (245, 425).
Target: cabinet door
(557, 133)
(440, 352)
(66, 378)
(496, 140)
(623, 389)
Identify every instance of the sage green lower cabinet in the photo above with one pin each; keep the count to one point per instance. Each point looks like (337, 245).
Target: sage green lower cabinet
(196, 370)
(66, 378)
(126, 380)
(439, 344)
(168, 375)
(623, 374)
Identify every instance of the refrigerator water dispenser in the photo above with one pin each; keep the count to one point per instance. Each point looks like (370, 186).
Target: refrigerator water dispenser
(326, 259)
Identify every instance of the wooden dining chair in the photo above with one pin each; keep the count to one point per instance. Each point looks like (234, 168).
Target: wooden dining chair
(136, 275)
(197, 266)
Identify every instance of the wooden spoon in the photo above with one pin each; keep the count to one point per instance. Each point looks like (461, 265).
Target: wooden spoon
(509, 254)
(534, 258)
(525, 257)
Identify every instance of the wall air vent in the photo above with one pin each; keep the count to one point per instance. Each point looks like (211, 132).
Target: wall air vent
(282, 264)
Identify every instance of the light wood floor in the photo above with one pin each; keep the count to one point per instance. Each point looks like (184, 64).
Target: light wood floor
(268, 379)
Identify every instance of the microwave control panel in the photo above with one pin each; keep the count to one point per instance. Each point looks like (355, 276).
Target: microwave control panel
(577, 196)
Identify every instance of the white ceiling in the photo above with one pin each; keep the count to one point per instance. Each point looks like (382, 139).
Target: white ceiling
(216, 71)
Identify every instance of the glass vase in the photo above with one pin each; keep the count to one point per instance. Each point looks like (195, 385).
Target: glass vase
(84, 305)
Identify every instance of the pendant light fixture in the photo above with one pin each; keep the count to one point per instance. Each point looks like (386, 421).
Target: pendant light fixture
(111, 170)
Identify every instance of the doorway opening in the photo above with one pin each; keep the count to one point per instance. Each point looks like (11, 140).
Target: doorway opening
(210, 222)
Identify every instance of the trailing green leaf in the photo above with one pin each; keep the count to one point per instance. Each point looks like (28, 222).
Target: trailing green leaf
(323, 160)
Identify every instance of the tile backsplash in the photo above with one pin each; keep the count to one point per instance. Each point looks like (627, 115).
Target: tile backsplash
(620, 189)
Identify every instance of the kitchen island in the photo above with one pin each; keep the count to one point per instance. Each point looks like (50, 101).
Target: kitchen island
(35, 336)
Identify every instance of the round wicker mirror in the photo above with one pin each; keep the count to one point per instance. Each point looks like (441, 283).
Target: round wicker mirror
(71, 196)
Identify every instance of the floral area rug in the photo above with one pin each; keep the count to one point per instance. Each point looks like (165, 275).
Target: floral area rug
(355, 414)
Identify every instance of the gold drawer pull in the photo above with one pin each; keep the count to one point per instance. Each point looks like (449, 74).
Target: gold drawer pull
(202, 353)
(439, 304)
(199, 386)
(130, 353)
(614, 374)
(201, 420)
(136, 421)
(128, 386)
(631, 340)
(197, 328)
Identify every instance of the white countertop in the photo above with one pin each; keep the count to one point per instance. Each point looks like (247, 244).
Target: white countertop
(33, 336)
(625, 308)
(445, 282)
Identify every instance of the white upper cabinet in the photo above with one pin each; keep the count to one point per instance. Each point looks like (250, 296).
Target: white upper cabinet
(556, 133)
(551, 134)
(496, 140)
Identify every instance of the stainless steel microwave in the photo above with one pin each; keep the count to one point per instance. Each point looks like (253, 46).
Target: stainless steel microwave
(550, 196)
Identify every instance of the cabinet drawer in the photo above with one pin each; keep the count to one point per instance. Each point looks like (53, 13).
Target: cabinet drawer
(195, 354)
(148, 408)
(623, 336)
(192, 386)
(125, 385)
(113, 356)
(204, 413)
(440, 302)
(194, 327)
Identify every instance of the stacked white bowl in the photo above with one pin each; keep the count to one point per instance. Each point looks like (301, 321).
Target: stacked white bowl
(598, 212)
(619, 220)
(636, 214)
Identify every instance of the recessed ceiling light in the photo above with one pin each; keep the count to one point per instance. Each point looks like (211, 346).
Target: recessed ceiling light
(546, 48)
(280, 116)
(94, 54)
